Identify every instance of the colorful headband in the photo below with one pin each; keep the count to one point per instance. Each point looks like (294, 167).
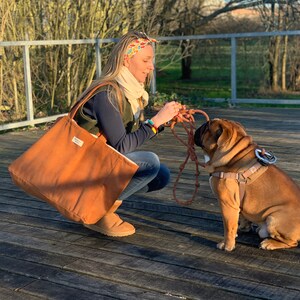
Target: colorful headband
(138, 45)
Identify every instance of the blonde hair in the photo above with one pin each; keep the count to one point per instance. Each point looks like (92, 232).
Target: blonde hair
(113, 66)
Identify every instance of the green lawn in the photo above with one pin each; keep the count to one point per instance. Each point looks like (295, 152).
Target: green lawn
(211, 72)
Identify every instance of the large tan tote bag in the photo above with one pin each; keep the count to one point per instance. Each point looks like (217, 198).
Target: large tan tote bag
(74, 171)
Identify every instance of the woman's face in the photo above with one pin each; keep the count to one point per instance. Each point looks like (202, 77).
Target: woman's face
(141, 64)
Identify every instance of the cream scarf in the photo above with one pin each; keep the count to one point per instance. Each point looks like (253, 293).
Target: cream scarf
(133, 90)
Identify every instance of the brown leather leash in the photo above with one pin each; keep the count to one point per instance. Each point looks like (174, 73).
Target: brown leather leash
(186, 118)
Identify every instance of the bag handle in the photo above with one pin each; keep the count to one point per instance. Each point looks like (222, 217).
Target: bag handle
(85, 99)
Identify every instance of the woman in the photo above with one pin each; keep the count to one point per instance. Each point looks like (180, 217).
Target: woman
(117, 113)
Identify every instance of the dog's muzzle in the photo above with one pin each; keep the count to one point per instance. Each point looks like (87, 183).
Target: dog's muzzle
(198, 136)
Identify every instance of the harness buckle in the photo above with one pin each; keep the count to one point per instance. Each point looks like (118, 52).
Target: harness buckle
(265, 158)
(241, 177)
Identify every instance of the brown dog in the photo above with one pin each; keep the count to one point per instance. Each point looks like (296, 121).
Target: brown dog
(249, 190)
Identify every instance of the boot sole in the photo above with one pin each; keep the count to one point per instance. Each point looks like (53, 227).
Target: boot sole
(108, 233)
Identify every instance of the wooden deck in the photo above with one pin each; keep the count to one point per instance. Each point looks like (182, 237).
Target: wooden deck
(173, 254)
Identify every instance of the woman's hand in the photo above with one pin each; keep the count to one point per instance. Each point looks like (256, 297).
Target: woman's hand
(167, 113)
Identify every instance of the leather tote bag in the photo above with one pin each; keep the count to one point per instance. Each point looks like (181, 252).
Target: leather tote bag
(73, 170)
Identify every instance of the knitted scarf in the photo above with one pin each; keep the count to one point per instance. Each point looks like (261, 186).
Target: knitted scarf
(133, 90)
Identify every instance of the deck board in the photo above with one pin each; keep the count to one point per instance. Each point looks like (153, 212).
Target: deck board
(173, 254)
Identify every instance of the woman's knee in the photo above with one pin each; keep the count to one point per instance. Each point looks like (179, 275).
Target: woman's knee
(152, 160)
(161, 180)
(148, 162)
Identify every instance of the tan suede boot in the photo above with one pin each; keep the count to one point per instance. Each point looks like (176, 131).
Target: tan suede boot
(111, 224)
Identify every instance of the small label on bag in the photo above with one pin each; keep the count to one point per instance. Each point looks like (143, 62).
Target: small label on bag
(77, 141)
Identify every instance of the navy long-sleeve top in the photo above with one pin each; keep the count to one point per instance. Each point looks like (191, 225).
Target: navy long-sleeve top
(110, 123)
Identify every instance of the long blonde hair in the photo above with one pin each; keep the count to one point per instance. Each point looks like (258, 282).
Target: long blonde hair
(113, 66)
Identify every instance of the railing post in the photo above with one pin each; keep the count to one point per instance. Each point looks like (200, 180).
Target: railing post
(98, 58)
(28, 86)
(233, 70)
(153, 81)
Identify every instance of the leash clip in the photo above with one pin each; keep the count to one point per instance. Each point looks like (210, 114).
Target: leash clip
(264, 157)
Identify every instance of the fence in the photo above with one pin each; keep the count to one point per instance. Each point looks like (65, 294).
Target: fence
(31, 120)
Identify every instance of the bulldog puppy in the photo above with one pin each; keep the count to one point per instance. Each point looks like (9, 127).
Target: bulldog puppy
(248, 187)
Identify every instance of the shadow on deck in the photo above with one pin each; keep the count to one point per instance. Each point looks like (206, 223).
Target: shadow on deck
(173, 255)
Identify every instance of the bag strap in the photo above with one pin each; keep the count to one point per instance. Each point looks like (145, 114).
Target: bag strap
(88, 96)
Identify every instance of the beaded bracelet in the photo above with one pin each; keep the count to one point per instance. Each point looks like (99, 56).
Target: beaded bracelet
(150, 123)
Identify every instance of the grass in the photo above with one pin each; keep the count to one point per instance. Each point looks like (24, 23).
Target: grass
(215, 83)
(211, 72)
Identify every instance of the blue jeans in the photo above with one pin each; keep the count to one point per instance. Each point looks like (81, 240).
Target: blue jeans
(150, 176)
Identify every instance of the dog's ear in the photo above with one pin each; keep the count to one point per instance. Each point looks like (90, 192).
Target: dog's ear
(218, 132)
(226, 133)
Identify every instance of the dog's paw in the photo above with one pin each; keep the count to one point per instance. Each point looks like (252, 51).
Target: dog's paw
(270, 244)
(266, 245)
(223, 246)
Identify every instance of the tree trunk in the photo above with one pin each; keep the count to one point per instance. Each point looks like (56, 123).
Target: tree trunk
(284, 62)
(275, 75)
(69, 64)
(15, 88)
(1, 76)
(186, 61)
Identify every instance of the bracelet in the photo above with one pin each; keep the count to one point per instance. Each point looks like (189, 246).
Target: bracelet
(150, 123)
(154, 130)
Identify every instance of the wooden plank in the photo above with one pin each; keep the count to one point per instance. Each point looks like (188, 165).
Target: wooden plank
(173, 254)
(211, 264)
(49, 290)
(10, 281)
(63, 284)
(113, 274)
(15, 295)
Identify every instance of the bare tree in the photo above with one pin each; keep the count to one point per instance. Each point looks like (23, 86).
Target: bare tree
(59, 73)
(279, 15)
(11, 75)
(189, 17)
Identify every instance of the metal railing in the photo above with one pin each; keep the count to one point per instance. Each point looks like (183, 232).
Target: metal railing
(31, 120)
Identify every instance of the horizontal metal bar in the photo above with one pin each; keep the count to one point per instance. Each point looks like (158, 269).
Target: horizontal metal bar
(229, 35)
(110, 40)
(166, 38)
(29, 123)
(56, 42)
(256, 101)
(217, 100)
(269, 101)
